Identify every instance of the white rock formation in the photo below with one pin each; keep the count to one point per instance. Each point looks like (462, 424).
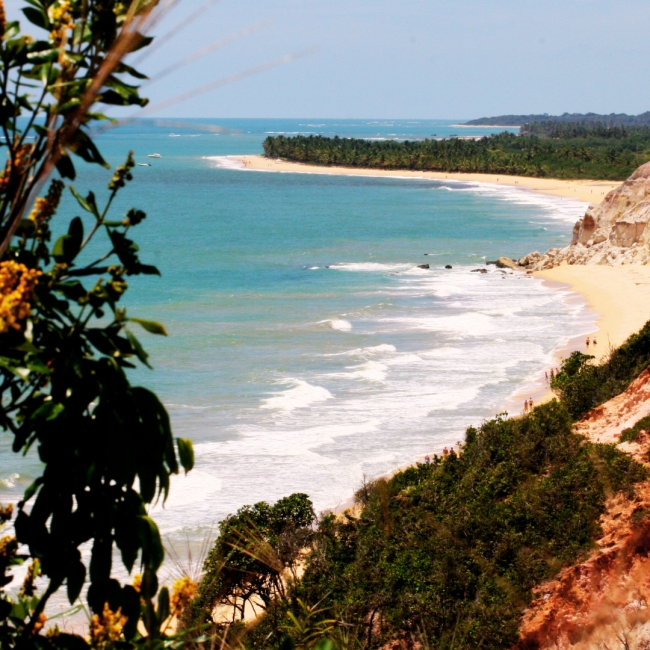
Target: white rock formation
(614, 232)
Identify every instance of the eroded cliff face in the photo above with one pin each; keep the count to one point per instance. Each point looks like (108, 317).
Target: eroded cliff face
(614, 232)
(603, 602)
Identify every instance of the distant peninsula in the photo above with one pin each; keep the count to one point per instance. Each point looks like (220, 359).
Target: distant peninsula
(613, 119)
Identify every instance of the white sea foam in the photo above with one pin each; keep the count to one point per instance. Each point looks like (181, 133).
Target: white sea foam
(300, 395)
(226, 162)
(370, 267)
(554, 207)
(340, 324)
(10, 481)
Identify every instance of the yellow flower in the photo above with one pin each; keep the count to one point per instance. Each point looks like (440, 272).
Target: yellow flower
(40, 623)
(45, 207)
(137, 582)
(16, 289)
(107, 627)
(183, 592)
(61, 19)
(22, 160)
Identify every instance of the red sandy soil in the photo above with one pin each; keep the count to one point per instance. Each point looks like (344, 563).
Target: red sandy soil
(604, 602)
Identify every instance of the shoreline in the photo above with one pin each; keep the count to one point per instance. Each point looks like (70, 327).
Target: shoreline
(619, 297)
(587, 191)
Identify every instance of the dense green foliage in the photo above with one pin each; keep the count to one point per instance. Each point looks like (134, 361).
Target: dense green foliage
(596, 153)
(448, 553)
(582, 385)
(613, 119)
(454, 548)
(254, 548)
(106, 446)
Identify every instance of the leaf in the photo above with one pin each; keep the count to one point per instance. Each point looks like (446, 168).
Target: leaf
(36, 17)
(137, 348)
(76, 579)
(82, 202)
(152, 548)
(147, 269)
(76, 232)
(185, 453)
(150, 326)
(163, 604)
(65, 167)
(31, 490)
(85, 148)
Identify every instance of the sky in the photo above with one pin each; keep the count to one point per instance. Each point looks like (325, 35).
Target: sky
(402, 59)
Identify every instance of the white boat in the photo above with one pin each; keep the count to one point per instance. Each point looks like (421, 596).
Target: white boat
(174, 135)
(144, 165)
(154, 155)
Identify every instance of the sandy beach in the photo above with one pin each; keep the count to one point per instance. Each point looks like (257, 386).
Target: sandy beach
(620, 295)
(582, 190)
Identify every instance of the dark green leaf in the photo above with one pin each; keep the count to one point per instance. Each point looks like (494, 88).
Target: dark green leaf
(76, 578)
(65, 167)
(36, 17)
(138, 350)
(185, 453)
(152, 548)
(163, 604)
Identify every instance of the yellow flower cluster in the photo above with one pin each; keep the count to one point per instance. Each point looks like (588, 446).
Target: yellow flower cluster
(40, 623)
(106, 627)
(183, 592)
(45, 207)
(22, 160)
(16, 289)
(29, 588)
(137, 582)
(61, 19)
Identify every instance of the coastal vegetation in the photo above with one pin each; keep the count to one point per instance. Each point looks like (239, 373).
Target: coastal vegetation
(105, 446)
(572, 152)
(612, 119)
(448, 554)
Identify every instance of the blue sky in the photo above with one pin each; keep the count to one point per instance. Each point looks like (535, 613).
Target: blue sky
(409, 58)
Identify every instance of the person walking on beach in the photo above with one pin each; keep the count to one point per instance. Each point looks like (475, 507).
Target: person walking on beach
(594, 341)
(526, 406)
(427, 460)
(445, 452)
(587, 341)
(530, 404)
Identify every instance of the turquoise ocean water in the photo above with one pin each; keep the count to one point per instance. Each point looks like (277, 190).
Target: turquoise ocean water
(306, 350)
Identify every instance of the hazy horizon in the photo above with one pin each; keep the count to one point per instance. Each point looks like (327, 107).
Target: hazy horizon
(407, 60)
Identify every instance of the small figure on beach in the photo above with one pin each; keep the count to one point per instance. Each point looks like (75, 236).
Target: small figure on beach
(530, 403)
(587, 342)
(526, 406)
(594, 341)
(427, 460)
(445, 452)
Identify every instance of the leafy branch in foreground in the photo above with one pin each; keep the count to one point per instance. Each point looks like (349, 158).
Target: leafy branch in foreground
(106, 447)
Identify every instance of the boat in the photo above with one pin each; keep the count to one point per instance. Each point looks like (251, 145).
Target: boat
(144, 164)
(154, 155)
(174, 135)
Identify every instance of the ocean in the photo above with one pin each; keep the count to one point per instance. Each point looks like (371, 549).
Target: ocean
(307, 352)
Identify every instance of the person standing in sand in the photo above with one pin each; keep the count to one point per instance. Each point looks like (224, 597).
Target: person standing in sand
(594, 341)
(530, 404)
(587, 342)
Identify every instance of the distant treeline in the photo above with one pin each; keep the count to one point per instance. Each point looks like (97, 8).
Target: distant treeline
(568, 130)
(613, 119)
(571, 151)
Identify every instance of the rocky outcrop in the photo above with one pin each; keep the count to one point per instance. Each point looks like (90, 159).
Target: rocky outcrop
(614, 232)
